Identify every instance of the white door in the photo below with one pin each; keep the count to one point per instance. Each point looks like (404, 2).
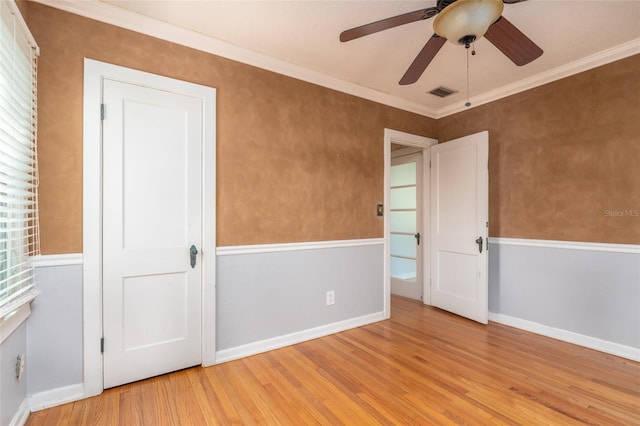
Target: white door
(459, 220)
(406, 233)
(152, 177)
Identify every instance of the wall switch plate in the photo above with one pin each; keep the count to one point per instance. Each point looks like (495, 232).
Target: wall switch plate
(380, 209)
(331, 297)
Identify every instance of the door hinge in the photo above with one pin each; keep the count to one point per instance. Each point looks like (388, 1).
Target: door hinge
(102, 345)
(101, 111)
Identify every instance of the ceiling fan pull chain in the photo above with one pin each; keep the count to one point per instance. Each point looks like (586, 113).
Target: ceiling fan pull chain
(468, 104)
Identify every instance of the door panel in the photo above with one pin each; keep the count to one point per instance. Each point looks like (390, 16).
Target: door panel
(152, 150)
(153, 197)
(459, 216)
(142, 294)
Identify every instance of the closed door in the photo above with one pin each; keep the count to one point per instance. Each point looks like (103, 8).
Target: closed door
(459, 220)
(406, 233)
(152, 177)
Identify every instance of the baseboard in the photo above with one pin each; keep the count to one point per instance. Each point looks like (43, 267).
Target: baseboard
(297, 337)
(21, 416)
(57, 396)
(568, 336)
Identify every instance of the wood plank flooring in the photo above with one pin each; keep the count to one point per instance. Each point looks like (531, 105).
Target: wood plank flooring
(422, 367)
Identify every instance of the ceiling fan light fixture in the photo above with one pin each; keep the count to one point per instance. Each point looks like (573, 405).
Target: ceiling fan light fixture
(467, 20)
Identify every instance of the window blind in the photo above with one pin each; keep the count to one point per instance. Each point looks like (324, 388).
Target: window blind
(18, 162)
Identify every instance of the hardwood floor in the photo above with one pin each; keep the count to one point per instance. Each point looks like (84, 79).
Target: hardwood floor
(422, 367)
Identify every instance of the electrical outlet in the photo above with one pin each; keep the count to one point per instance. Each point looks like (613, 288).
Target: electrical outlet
(19, 366)
(331, 297)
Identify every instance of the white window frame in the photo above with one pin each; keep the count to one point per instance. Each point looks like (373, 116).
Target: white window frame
(14, 307)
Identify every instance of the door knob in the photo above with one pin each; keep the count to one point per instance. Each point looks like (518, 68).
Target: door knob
(417, 236)
(479, 243)
(193, 251)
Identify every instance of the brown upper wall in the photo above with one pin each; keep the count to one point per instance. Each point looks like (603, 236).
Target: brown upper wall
(564, 158)
(298, 162)
(295, 162)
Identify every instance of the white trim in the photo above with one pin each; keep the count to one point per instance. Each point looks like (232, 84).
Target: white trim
(568, 336)
(569, 245)
(21, 416)
(92, 229)
(15, 313)
(10, 322)
(46, 260)
(297, 337)
(57, 396)
(313, 245)
(407, 139)
(94, 74)
(109, 14)
(597, 59)
(208, 194)
(23, 25)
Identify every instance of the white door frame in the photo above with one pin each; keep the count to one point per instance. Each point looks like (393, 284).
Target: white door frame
(394, 136)
(94, 73)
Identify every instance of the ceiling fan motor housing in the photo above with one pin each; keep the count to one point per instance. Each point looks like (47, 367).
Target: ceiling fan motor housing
(464, 21)
(467, 40)
(441, 4)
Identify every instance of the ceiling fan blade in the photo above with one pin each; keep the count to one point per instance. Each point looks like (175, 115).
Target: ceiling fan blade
(422, 61)
(512, 42)
(385, 24)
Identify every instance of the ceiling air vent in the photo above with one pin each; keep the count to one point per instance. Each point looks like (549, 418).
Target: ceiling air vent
(442, 91)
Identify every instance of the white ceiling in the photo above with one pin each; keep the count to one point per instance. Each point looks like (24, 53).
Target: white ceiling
(574, 34)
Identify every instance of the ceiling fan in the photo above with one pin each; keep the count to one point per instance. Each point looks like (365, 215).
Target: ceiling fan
(461, 22)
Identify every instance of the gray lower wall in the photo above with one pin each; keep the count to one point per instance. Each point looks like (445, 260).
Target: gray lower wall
(12, 391)
(55, 329)
(259, 296)
(593, 293)
(267, 295)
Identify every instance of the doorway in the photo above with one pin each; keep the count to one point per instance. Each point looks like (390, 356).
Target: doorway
(419, 144)
(100, 224)
(406, 233)
(455, 211)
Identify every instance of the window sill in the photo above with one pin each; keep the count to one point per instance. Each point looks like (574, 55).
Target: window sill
(15, 314)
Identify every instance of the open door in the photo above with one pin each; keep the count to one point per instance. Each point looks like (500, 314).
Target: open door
(459, 221)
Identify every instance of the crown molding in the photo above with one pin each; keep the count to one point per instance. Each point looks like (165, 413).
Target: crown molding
(109, 14)
(119, 17)
(601, 58)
